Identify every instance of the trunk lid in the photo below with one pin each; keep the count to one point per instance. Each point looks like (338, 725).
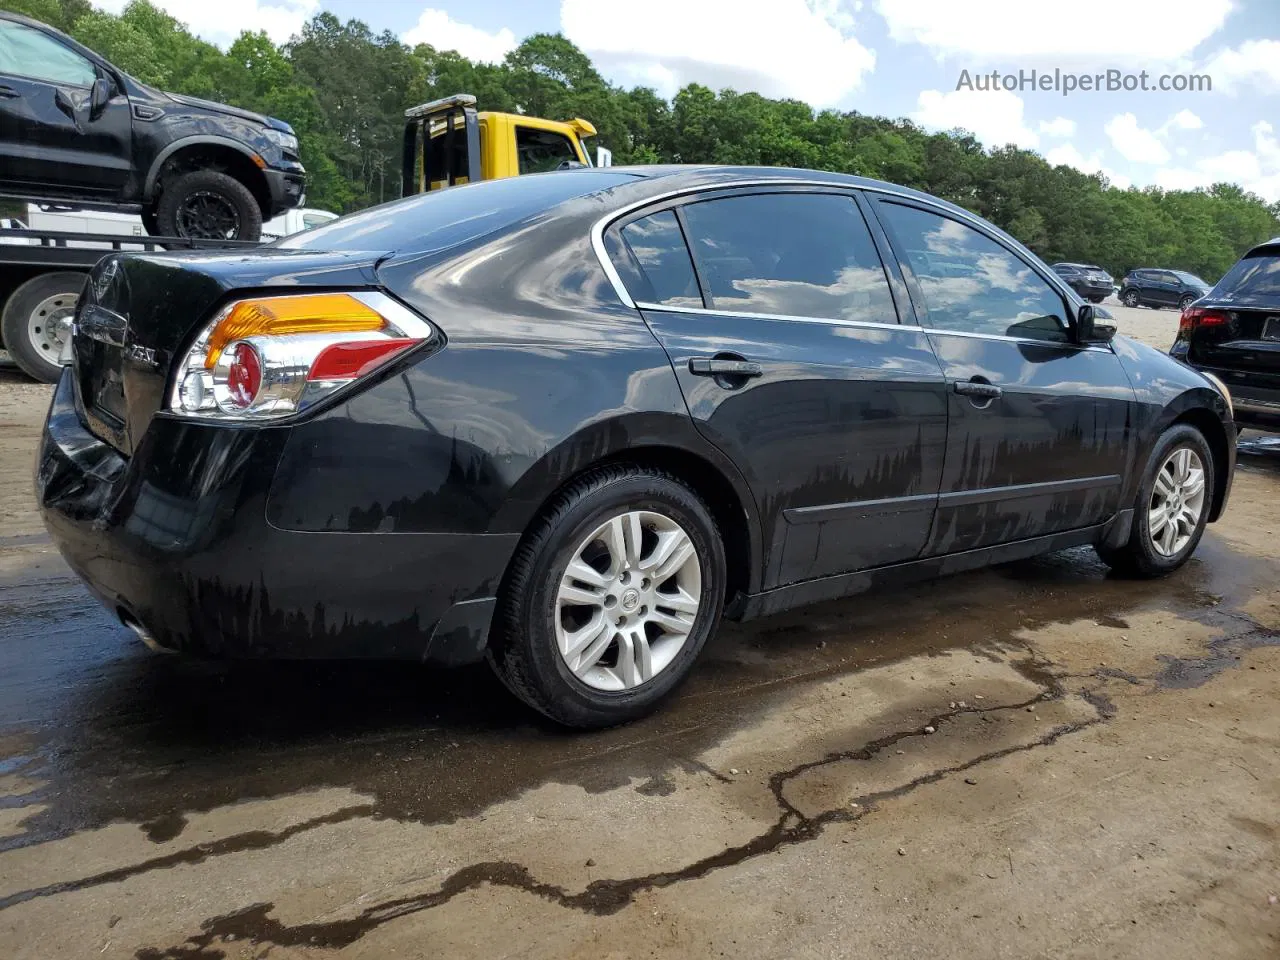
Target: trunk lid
(139, 312)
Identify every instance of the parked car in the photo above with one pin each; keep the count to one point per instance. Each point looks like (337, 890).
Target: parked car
(565, 421)
(1149, 287)
(1087, 279)
(1233, 333)
(74, 128)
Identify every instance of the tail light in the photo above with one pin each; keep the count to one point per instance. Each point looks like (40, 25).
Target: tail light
(270, 357)
(1194, 317)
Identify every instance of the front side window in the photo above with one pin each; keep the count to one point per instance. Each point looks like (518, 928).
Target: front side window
(25, 52)
(789, 254)
(540, 151)
(654, 262)
(972, 284)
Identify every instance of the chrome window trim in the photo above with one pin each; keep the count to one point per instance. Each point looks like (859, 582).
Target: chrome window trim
(742, 315)
(600, 226)
(870, 325)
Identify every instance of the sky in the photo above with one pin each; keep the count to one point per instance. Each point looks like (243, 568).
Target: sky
(923, 59)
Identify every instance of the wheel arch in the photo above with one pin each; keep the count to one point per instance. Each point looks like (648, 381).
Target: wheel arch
(1215, 434)
(665, 442)
(211, 153)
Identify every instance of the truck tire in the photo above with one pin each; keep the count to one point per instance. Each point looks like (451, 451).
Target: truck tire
(36, 319)
(208, 205)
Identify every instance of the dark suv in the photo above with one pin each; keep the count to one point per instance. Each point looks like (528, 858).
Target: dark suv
(75, 129)
(1087, 279)
(1149, 287)
(1233, 333)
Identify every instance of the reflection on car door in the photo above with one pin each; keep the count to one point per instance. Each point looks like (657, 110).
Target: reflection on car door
(1039, 426)
(47, 135)
(787, 346)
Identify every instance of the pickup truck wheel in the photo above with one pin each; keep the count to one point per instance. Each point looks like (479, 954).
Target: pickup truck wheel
(151, 221)
(37, 321)
(208, 205)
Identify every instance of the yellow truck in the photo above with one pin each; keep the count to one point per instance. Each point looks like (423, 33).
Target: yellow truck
(448, 142)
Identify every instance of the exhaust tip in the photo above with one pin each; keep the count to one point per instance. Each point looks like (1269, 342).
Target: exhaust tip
(130, 621)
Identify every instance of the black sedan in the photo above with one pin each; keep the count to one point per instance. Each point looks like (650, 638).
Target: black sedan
(1233, 333)
(567, 421)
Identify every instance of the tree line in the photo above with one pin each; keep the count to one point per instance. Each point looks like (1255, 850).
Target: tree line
(344, 89)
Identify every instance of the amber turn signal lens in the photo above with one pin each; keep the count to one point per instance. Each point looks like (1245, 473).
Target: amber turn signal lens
(281, 316)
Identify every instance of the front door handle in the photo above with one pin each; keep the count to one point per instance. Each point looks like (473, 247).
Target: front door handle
(8, 93)
(720, 366)
(978, 389)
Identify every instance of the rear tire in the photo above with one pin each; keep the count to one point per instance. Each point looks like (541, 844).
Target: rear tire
(37, 319)
(1186, 301)
(209, 205)
(1096, 299)
(1156, 548)
(569, 660)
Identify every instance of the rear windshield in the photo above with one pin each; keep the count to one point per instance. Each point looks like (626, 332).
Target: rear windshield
(445, 218)
(1253, 278)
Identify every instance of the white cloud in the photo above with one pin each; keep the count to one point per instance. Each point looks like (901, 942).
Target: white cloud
(438, 29)
(993, 117)
(1134, 143)
(1254, 63)
(1058, 127)
(1257, 170)
(1068, 155)
(223, 21)
(1183, 120)
(1089, 31)
(780, 48)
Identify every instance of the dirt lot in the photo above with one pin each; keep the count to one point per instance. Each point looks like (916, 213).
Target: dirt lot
(1031, 761)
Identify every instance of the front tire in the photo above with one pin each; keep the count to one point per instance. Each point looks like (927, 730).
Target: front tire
(1129, 298)
(208, 205)
(37, 320)
(1171, 509)
(610, 597)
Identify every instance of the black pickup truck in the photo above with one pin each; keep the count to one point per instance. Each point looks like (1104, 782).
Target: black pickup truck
(76, 131)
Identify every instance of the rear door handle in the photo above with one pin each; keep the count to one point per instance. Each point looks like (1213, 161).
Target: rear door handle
(724, 367)
(978, 388)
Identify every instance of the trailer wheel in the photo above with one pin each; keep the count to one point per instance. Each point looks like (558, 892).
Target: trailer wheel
(37, 321)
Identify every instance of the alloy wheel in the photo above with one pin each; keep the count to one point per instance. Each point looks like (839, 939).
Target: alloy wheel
(1177, 501)
(205, 215)
(628, 600)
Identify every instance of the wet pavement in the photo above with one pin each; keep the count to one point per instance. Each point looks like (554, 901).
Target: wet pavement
(1033, 760)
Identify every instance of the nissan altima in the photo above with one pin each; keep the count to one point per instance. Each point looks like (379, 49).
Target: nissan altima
(566, 422)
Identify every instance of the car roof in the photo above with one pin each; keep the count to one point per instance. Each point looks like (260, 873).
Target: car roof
(1269, 249)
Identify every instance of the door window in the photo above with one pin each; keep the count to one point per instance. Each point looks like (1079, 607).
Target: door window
(540, 151)
(25, 52)
(654, 262)
(972, 284)
(789, 254)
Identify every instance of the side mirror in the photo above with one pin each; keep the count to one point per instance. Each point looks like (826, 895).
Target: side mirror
(99, 97)
(1088, 330)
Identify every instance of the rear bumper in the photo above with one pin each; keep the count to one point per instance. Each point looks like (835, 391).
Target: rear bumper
(1255, 399)
(176, 540)
(1094, 290)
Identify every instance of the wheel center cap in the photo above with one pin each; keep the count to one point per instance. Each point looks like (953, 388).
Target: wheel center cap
(630, 600)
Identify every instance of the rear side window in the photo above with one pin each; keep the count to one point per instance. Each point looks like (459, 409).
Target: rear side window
(1252, 279)
(790, 254)
(660, 269)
